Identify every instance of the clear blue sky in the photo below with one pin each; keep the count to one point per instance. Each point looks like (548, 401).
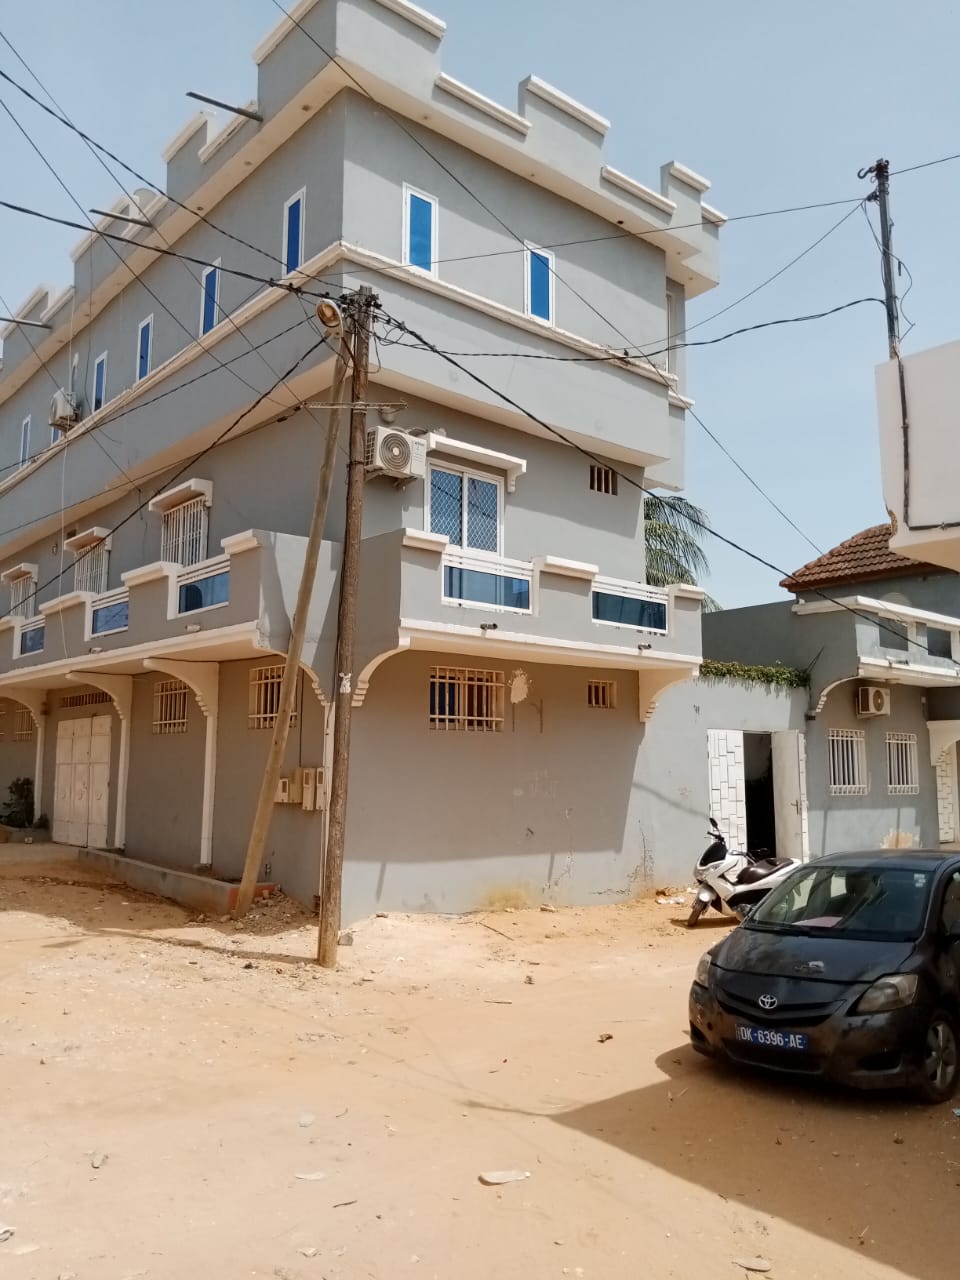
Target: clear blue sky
(778, 105)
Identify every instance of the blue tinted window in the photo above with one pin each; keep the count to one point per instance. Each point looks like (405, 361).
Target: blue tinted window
(143, 350)
(210, 280)
(32, 641)
(446, 504)
(293, 233)
(25, 442)
(206, 592)
(111, 617)
(485, 588)
(540, 291)
(99, 383)
(420, 232)
(630, 612)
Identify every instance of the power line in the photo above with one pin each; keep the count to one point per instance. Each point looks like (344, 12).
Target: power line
(43, 458)
(158, 249)
(191, 462)
(627, 356)
(123, 165)
(700, 524)
(927, 164)
(119, 256)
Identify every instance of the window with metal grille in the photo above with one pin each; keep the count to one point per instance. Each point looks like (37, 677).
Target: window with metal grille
(92, 699)
(603, 480)
(22, 725)
(90, 568)
(264, 697)
(184, 536)
(602, 694)
(467, 508)
(170, 707)
(903, 774)
(848, 763)
(23, 601)
(3, 724)
(466, 699)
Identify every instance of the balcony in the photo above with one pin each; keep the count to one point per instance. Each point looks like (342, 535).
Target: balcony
(232, 605)
(919, 458)
(419, 592)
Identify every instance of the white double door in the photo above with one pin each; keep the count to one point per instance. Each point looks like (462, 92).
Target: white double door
(81, 804)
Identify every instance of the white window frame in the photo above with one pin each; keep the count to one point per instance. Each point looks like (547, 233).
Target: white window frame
(903, 765)
(263, 696)
(467, 473)
(847, 762)
(300, 195)
(146, 323)
(491, 690)
(214, 266)
(434, 203)
(101, 360)
(21, 591)
(25, 442)
(631, 591)
(529, 249)
(170, 709)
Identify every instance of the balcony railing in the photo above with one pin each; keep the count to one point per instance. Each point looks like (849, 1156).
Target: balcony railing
(204, 587)
(484, 583)
(110, 613)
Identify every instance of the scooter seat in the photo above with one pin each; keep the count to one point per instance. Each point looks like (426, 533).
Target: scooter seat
(758, 871)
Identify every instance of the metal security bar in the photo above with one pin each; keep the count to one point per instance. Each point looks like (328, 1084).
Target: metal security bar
(848, 763)
(184, 537)
(465, 699)
(22, 725)
(264, 697)
(170, 707)
(92, 699)
(23, 602)
(90, 570)
(903, 774)
(602, 694)
(603, 480)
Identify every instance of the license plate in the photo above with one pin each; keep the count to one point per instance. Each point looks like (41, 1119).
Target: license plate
(790, 1040)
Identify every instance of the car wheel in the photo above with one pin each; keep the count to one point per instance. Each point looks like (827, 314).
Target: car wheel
(940, 1065)
(696, 911)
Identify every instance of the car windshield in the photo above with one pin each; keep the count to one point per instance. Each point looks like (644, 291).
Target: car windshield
(860, 901)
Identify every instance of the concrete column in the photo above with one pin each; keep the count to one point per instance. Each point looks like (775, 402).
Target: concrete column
(35, 700)
(203, 678)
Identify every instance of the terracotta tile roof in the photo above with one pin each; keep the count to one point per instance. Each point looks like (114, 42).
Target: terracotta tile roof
(865, 556)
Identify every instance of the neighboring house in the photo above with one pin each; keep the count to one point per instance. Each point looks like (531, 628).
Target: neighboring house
(880, 638)
(510, 652)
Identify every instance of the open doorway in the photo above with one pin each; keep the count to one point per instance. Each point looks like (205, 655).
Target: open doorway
(758, 792)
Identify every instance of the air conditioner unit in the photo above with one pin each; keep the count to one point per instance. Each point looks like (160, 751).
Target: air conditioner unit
(395, 453)
(63, 410)
(873, 701)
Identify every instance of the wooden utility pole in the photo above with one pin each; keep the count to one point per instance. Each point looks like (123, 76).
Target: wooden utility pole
(331, 891)
(288, 687)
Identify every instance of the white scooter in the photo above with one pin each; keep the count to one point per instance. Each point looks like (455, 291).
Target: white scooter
(734, 882)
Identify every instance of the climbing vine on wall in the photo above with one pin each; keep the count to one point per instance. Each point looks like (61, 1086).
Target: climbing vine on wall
(785, 677)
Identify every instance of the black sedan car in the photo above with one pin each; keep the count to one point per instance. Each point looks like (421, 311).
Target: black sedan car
(848, 970)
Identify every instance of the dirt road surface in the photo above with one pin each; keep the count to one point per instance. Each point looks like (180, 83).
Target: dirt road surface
(184, 1099)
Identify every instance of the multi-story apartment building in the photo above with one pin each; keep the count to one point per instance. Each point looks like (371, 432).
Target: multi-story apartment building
(510, 652)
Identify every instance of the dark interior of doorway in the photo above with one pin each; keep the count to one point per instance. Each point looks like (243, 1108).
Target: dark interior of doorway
(758, 771)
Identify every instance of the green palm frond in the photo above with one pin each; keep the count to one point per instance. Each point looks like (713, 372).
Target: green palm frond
(674, 530)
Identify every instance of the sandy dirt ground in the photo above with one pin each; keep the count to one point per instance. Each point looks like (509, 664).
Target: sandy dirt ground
(184, 1098)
